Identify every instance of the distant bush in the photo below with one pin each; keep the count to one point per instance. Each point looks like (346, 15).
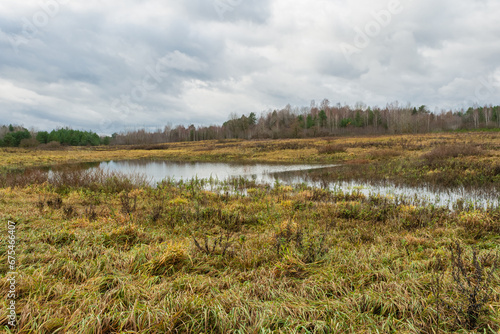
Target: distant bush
(28, 143)
(451, 151)
(332, 148)
(149, 147)
(53, 145)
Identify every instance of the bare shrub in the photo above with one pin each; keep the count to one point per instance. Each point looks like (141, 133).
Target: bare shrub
(90, 213)
(53, 145)
(68, 211)
(129, 203)
(156, 213)
(29, 143)
(472, 286)
(96, 180)
(55, 203)
(149, 147)
(220, 245)
(451, 151)
(310, 247)
(40, 204)
(332, 148)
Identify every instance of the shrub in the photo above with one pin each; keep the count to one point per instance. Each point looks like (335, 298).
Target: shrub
(310, 247)
(53, 145)
(23, 178)
(332, 148)
(55, 203)
(220, 245)
(28, 143)
(451, 151)
(472, 286)
(90, 213)
(128, 202)
(68, 211)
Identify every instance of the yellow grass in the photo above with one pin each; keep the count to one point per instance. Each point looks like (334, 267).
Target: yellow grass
(358, 150)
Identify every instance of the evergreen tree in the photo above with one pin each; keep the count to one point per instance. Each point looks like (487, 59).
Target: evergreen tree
(42, 137)
(322, 118)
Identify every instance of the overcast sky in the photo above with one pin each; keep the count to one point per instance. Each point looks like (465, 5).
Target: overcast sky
(110, 65)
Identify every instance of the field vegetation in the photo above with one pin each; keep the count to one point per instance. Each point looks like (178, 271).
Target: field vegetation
(448, 159)
(108, 253)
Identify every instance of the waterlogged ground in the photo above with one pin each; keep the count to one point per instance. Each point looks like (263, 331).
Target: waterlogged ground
(292, 174)
(101, 252)
(105, 255)
(156, 171)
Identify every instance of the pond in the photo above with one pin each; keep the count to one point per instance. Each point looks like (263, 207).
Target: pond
(292, 174)
(157, 171)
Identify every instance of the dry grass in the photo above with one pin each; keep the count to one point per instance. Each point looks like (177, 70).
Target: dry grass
(277, 260)
(290, 150)
(332, 149)
(101, 253)
(443, 152)
(383, 153)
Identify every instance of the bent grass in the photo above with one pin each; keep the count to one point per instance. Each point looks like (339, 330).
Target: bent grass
(286, 259)
(106, 253)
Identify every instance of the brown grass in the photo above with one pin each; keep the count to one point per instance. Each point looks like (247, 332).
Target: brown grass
(332, 149)
(383, 154)
(452, 151)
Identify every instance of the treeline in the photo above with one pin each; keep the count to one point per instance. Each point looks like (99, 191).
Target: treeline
(290, 122)
(323, 120)
(16, 136)
(72, 137)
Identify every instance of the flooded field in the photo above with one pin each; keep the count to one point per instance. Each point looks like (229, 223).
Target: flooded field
(350, 236)
(157, 171)
(300, 174)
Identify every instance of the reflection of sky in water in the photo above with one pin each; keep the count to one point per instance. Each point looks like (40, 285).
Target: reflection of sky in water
(265, 173)
(435, 195)
(159, 170)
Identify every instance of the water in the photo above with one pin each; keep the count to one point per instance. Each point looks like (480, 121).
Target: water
(292, 174)
(157, 171)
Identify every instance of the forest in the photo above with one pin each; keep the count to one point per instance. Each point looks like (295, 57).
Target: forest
(317, 120)
(323, 120)
(18, 136)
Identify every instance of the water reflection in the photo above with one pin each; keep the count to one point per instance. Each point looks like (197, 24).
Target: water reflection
(157, 171)
(425, 193)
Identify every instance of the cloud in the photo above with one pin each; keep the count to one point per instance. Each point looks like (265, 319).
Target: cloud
(110, 66)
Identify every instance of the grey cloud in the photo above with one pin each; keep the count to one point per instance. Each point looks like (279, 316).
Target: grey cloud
(257, 11)
(183, 62)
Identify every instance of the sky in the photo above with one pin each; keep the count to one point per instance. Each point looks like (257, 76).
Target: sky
(111, 66)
